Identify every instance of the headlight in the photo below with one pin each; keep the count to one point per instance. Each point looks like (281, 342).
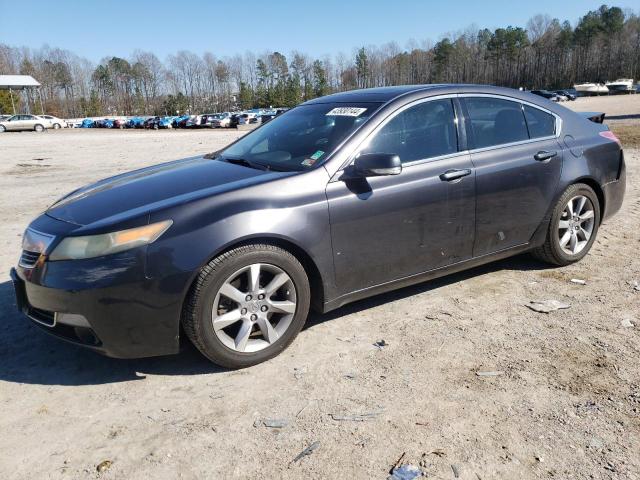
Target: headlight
(75, 248)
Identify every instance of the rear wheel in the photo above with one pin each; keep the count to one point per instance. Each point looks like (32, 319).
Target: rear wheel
(56, 126)
(573, 227)
(38, 128)
(247, 305)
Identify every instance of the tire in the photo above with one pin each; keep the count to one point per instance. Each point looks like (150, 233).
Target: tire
(553, 251)
(38, 128)
(3, 129)
(56, 126)
(224, 345)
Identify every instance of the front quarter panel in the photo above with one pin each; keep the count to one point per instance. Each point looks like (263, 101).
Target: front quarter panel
(293, 209)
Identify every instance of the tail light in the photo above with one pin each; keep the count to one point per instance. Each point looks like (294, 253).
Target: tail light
(610, 136)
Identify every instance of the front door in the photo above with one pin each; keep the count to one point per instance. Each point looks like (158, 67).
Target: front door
(390, 227)
(14, 122)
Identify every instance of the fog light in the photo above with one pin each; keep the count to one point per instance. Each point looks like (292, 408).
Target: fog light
(72, 319)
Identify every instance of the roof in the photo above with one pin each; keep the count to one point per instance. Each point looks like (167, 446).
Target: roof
(17, 82)
(386, 94)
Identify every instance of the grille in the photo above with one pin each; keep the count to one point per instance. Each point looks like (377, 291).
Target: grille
(28, 259)
(42, 316)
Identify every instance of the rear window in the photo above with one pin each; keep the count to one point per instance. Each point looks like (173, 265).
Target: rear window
(495, 121)
(541, 124)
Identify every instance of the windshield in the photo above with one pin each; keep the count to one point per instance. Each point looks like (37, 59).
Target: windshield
(302, 137)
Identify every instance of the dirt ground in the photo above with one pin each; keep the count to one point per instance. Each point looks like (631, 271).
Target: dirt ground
(563, 402)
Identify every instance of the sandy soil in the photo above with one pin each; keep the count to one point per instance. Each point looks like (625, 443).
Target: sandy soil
(566, 403)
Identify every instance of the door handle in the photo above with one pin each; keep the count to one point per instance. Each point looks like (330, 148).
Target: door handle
(451, 175)
(544, 156)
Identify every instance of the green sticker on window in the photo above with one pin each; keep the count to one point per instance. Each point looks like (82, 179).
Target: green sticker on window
(317, 155)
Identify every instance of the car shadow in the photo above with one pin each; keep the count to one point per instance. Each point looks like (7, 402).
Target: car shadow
(30, 356)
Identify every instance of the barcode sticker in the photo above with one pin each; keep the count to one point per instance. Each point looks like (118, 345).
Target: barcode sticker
(346, 112)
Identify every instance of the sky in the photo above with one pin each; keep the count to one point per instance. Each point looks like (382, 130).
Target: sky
(99, 28)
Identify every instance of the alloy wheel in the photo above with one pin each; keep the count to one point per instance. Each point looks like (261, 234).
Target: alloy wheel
(254, 307)
(576, 225)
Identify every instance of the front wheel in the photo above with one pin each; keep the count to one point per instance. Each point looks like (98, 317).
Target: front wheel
(247, 305)
(573, 227)
(3, 128)
(56, 126)
(38, 128)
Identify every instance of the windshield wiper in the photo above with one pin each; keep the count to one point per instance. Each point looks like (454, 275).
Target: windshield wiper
(244, 163)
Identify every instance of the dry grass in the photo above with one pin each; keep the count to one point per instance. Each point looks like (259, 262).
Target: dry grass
(629, 135)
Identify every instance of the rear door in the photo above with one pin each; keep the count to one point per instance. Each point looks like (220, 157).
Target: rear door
(387, 228)
(29, 122)
(518, 160)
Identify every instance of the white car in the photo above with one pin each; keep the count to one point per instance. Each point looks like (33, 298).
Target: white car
(221, 120)
(54, 122)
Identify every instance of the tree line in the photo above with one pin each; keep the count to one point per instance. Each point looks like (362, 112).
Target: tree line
(603, 45)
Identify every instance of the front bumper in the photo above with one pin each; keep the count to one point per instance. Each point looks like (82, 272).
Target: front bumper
(127, 315)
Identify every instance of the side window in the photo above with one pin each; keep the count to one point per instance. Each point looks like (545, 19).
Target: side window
(420, 132)
(541, 124)
(495, 122)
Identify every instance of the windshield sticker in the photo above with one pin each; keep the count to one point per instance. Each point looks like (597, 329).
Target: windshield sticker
(308, 162)
(317, 155)
(346, 112)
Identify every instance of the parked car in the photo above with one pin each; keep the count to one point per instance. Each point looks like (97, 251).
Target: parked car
(135, 122)
(264, 118)
(340, 198)
(547, 94)
(243, 119)
(87, 123)
(234, 120)
(568, 95)
(219, 120)
(54, 122)
(180, 121)
(119, 123)
(16, 123)
(150, 122)
(195, 121)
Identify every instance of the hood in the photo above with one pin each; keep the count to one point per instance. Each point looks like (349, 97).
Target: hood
(141, 191)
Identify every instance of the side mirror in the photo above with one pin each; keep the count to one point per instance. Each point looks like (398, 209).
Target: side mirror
(377, 164)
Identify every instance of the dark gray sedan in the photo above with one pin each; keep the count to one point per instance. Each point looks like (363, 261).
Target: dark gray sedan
(340, 198)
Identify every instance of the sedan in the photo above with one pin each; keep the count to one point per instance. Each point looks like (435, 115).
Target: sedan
(338, 199)
(220, 120)
(54, 122)
(554, 97)
(567, 94)
(18, 123)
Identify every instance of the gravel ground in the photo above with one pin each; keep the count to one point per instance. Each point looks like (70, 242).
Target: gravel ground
(562, 399)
